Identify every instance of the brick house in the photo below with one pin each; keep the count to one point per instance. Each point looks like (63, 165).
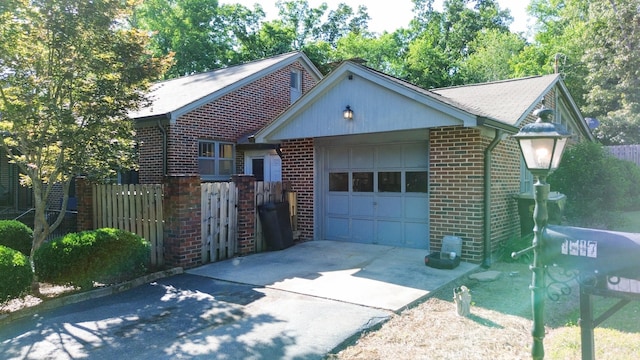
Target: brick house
(203, 124)
(410, 166)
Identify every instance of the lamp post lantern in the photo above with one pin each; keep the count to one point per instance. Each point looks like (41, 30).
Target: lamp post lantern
(541, 144)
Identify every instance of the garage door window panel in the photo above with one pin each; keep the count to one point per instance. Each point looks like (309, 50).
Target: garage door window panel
(339, 181)
(390, 181)
(362, 182)
(417, 182)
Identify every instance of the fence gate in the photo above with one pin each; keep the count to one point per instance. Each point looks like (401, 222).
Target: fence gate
(134, 208)
(219, 221)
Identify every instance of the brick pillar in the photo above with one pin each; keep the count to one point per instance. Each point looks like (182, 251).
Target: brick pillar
(246, 213)
(84, 195)
(182, 213)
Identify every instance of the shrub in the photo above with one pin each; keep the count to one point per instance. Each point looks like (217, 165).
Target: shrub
(597, 185)
(105, 256)
(16, 273)
(16, 235)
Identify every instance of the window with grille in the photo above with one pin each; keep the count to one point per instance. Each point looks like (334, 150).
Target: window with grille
(216, 160)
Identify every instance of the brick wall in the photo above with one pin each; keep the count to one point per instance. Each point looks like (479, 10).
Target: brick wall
(182, 214)
(225, 119)
(456, 188)
(84, 193)
(298, 166)
(150, 155)
(505, 182)
(246, 213)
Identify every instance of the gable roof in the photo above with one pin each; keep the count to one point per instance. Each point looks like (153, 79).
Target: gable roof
(375, 97)
(511, 101)
(508, 101)
(173, 98)
(408, 98)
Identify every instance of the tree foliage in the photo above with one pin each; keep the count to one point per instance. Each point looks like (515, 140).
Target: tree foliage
(204, 36)
(441, 43)
(597, 185)
(69, 75)
(596, 44)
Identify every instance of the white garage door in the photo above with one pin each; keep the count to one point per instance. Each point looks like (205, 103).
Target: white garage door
(377, 194)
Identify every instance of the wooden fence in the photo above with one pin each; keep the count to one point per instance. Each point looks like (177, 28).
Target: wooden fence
(219, 221)
(138, 209)
(626, 152)
(219, 217)
(134, 208)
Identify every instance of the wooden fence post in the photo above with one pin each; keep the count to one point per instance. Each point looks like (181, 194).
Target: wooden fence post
(246, 213)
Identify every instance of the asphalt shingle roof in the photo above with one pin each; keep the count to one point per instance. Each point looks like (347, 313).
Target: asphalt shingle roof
(176, 94)
(506, 101)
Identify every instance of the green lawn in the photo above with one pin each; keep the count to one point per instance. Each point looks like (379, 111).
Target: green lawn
(631, 222)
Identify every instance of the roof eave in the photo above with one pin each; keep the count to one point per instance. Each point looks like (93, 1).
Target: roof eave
(498, 125)
(152, 120)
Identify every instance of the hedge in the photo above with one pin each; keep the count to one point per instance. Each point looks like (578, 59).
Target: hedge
(16, 273)
(103, 256)
(16, 235)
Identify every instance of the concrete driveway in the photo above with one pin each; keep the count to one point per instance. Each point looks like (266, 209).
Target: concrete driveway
(298, 303)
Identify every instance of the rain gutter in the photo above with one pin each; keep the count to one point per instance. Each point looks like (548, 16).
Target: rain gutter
(486, 263)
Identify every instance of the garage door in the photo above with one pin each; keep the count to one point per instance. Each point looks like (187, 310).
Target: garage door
(377, 194)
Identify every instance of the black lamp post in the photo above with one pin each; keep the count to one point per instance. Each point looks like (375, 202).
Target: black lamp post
(541, 144)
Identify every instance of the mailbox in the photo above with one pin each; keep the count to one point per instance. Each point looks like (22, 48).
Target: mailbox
(602, 252)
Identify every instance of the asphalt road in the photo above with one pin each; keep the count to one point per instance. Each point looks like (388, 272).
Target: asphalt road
(189, 317)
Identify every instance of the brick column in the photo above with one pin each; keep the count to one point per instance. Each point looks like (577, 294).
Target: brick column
(246, 213)
(84, 195)
(182, 213)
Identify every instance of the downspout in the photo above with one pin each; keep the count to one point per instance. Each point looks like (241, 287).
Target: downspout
(487, 198)
(164, 147)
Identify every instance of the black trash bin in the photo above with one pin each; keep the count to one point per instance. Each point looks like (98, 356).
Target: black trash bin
(276, 225)
(526, 204)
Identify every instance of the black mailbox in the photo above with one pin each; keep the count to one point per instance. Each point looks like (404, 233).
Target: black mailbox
(606, 253)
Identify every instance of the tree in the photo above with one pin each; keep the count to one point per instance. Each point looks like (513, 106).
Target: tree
(442, 40)
(199, 34)
(492, 56)
(383, 53)
(70, 72)
(612, 59)
(559, 45)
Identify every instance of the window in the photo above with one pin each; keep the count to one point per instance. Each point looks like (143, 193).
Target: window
(362, 182)
(417, 182)
(295, 84)
(215, 160)
(389, 181)
(258, 168)
(339, 181)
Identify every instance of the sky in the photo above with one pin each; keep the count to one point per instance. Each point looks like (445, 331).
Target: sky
(391, 15)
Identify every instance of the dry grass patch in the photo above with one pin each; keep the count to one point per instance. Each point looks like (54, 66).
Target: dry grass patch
(499, 326)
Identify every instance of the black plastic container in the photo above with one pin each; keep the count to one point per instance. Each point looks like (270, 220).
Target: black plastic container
(276, 225)
(433, 260)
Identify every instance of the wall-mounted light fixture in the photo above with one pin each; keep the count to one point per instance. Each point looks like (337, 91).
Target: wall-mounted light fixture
(347, 114)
